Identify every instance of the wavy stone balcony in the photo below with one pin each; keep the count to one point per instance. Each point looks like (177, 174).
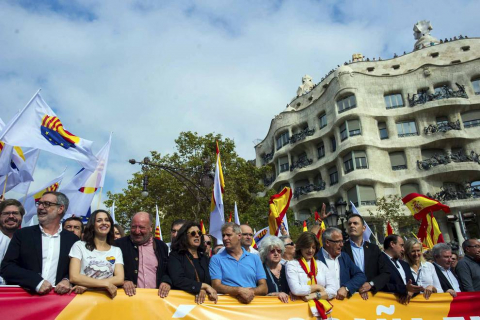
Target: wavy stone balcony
(309, 188)
(439, 159)
(442, 127)
(445, 92)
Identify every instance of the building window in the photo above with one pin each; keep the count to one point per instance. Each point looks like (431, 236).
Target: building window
(360, 159)
(382, 129)
(394, 101)
(353, 128)
(407, 129)
(476, 86)
(442, 121)
(333, 174)
(408, 188)
(283, 164)
(346, 103)
(348, 163)
(323, 121)
(353, 196)
(398, 160)
(471, 119)
(283, 140)
(343, 131)
(321, 150)
(303, 215)
(334, 143)
(362, 195)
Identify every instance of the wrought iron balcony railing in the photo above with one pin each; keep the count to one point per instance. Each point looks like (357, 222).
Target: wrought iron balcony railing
(442, 127)
(309, 188)
(447, 193)
(302, 135)
(301, 163)
(439, 159)
(400, 167)
(445, 92)
(267, 157)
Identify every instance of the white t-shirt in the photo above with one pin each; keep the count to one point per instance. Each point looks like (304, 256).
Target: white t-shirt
(4, 242)
(96, 264)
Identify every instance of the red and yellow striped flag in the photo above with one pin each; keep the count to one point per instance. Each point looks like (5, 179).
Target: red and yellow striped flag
(202, 227)
(389, 229)
(230, 219)
(429, 233)
(279, 204)
(320, 232)
(421, 205)
(305, 229)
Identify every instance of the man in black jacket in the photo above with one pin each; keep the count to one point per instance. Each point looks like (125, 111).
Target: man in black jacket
(367, 256)
(37, 257)
(145, 258)
(442, 257)
(401, 279)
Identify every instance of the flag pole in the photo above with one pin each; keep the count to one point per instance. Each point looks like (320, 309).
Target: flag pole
(5, 186)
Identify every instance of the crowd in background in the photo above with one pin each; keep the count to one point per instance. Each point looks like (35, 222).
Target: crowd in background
(70, 257)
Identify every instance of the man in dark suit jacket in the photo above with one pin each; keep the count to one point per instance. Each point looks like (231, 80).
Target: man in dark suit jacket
(442, 257)
(368, 257)
(141, 236)
(401, 280)
(37, 257)
(350, 277)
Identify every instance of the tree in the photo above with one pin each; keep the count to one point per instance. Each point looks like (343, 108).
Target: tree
(194, 159)
(390, 209)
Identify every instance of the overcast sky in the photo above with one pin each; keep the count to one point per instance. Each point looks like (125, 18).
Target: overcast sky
(147, 70)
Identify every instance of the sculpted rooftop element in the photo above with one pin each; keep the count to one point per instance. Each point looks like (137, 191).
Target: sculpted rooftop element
(307, 85)
(421, 32)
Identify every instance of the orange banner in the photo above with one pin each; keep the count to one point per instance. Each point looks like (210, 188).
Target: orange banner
(16, 303)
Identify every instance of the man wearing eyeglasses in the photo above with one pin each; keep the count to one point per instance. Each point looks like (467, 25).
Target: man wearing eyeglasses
(11, 213)
(347, 275)
(37, 257)
(145, 257)
(468, 269)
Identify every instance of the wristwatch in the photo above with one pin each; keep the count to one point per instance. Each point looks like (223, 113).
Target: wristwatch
(319, 295)
(372, 284)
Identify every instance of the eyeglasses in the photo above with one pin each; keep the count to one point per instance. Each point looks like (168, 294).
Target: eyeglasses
(8, 213)
(477, 246)
(290, 244)
(279, 251)
(247, 234)
(208, 243)
(173, 231)
(335, 241)
(46, 204)
(195, 233)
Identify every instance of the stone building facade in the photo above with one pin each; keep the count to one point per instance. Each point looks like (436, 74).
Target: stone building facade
(374, 128)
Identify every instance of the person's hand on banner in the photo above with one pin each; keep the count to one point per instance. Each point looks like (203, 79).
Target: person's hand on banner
(129, 288)
(163, 290)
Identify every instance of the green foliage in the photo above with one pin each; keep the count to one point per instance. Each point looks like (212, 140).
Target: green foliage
(391, 209)
(195, 158)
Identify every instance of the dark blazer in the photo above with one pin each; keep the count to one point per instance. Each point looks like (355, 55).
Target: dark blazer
(446, 285)
(350, 275)
(130, 259)
(282, 283)
(395, 283)
(182, 272)
(375, 268)
(22, 264)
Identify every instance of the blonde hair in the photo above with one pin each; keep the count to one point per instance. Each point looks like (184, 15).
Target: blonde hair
(409, 247)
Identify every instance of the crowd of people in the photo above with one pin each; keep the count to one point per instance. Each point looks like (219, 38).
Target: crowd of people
(70, 257)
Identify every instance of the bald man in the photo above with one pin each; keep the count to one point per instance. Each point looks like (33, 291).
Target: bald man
(145, 257)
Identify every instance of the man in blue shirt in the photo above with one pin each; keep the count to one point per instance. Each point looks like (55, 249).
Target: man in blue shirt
(235, 271)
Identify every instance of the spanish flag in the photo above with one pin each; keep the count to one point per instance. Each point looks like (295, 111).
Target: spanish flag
(320, 232)
(421, 205)
(202, 227)
(389, 229)
(158, 229)
(429, 233)
(279, 204)
(305, 229)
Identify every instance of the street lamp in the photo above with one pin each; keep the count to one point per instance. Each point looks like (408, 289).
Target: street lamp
(332, 219)
(145, 183)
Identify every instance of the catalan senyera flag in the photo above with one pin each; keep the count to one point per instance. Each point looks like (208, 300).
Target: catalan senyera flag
(217, 215)
(254, 244)
(279, 204)
(429, 233)
(202, 227)
(259, 236)
(31, 199)
(37, 126)
(305, 229)
(421, 205)
(389, 230)
(158, 229)
(83, 186)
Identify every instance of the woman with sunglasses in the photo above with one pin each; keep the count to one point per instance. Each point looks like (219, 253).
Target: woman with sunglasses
(289, 251)
(188, 264)
(95, 262)
(271, 250)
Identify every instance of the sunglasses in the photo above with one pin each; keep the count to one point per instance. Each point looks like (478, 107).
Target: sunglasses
(195, 233)
(279, 251)
(290, 244)
(208, 243)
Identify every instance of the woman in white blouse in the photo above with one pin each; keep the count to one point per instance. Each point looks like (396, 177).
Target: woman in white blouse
(423, 271)
(299, 279)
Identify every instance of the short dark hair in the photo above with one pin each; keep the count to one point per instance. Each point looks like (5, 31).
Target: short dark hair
(73, 219)
(89, 234)
(356, 215)
(120, 229)
(178, 221)
(62, 199)
(306, 240)
(180, 244)
(12, 202)
(391, 238)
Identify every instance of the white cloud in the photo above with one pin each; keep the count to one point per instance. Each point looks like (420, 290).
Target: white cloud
(149, 70)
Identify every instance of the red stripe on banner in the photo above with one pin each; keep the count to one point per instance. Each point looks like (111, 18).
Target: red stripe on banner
(16, 303)
(462, 306)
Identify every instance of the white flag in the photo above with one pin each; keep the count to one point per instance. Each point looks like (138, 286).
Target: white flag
(6, 152)
(217, 215)
(19, 178)
(368, 231)
(81, 189)
(237, 219)
(285, 223)
(31, 199)
(112, 212)
(158, 229)
(37, 126)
